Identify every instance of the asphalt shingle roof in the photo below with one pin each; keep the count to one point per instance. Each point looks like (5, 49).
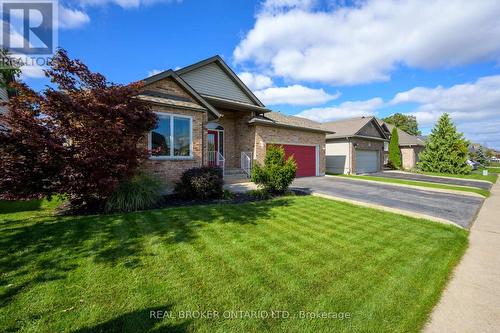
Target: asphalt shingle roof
(405, 139)
(347, 127)
(280, 119)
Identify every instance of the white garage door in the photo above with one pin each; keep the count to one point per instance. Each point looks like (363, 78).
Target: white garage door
(367, 161)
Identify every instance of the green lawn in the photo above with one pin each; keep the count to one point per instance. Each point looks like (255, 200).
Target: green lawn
(480, 191)
(293, 254)
(474, 175)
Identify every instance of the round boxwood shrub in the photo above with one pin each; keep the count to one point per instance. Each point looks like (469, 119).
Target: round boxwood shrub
(201, 183)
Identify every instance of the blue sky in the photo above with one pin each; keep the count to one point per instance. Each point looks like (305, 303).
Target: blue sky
(324, 60)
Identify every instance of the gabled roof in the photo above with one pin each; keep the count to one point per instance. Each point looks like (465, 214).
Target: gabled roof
(173, 75)
(281, 120)
(351, 127)
(405, 139)
(227, 70)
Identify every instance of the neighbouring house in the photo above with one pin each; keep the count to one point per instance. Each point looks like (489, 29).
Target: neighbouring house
(356, 146)
(410, 146)
(207, 116)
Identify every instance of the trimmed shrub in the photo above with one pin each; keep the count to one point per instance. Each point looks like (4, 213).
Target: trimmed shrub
(200, 183)
(142, 191)
(276, 175)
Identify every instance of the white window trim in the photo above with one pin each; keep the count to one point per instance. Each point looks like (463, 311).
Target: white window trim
(171, 157)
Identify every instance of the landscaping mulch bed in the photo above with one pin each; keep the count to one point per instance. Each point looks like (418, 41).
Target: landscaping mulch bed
(174, 201)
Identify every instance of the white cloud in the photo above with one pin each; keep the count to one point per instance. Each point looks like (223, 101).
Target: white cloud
(72, 18)
(366, 42)
(154, 72)
(255, 81)
(344, 110)
(125, 3)
(279, 5)
(464, 102)
(474, 107)
(294, 95)
(32, 72)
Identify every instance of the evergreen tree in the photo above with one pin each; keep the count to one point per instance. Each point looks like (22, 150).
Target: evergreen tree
(394, 152)
(481, 156)
(446, 149)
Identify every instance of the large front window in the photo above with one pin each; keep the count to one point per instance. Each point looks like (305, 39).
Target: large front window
(172, 137)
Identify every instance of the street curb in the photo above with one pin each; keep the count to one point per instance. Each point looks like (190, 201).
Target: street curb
(423, 188)
(423, 174)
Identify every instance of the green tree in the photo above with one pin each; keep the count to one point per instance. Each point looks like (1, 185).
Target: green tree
(481, 156)
(277, 173)
(394, 152)
(407, 123)
(446, 149)
(9, 71)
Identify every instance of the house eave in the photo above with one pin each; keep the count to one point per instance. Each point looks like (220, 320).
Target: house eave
(186, 86)
(231, 104)
(339, 137)
(274, 124)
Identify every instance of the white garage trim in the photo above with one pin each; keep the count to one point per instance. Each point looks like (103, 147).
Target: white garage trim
(317, 161)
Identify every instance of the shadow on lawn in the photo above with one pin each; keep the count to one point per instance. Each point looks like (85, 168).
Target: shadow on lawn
(7, 207)
(137, 321)
(51, 246)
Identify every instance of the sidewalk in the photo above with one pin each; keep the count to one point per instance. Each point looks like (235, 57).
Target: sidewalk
(471, 301)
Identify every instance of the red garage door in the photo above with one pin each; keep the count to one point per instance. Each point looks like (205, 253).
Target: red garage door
(305, 157)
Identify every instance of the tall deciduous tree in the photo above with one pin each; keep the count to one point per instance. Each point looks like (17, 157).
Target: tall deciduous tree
(78, 138)
(446, 149)
(394, 151)
(407, 123)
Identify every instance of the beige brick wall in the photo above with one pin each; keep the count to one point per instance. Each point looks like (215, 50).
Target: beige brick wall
(364, 144)
(409, 157)
(267, 134)
(238, 135)
(171, 170)
(169, 86)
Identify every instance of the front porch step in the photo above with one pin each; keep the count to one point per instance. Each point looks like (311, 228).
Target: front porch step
(234, 171)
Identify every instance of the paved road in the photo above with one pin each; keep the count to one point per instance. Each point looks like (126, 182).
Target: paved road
(442, 180)
(460, 209)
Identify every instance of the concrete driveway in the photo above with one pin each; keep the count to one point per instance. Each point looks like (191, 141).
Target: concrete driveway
(432, 179)
(459, 209)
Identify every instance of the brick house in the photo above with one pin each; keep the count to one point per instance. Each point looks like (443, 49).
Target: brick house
(410, 146)
(356, 146)
(207, 116)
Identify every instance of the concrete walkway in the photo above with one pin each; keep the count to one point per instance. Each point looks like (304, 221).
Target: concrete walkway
(471, 301)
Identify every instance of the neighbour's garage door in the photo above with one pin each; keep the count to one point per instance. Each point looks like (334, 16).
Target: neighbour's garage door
(367, 161)
(305, 157)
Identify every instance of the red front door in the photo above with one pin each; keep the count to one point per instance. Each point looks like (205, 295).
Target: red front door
(305, 157)
(213, 148)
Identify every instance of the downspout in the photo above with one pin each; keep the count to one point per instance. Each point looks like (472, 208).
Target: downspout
(350, 155)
